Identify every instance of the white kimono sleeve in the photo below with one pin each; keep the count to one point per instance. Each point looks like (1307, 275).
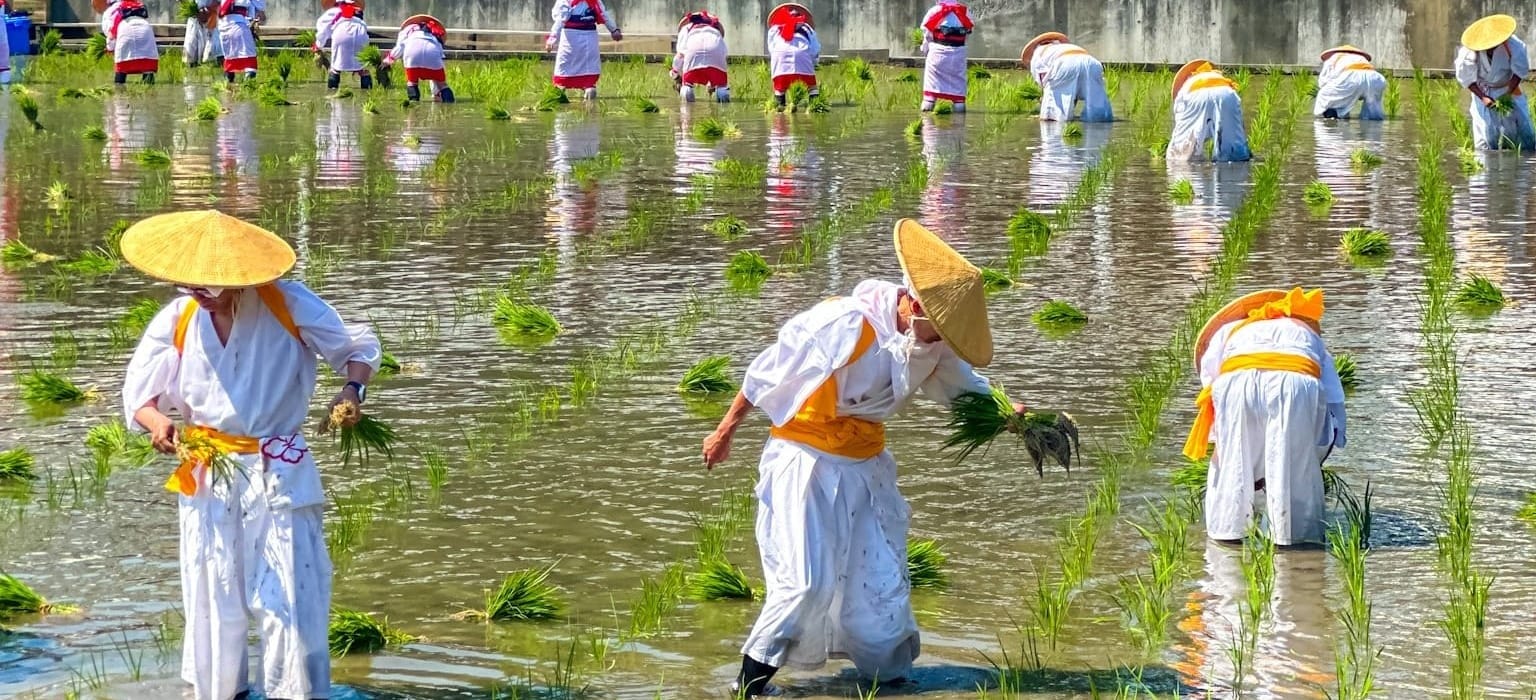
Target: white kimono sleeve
(398, 52)
(324, 332)
(152, 370)
(953, 377)
(1333, 389)
(1329, 71)
(677, 57)
(786, 374)
(323, 34)
(1466, 67)
(608, 20)
(1215, 355)
(1519, 59)
(561, 13)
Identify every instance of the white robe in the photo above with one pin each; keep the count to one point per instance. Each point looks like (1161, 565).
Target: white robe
(252, 544)
(1067, 77)
(945, 71)
(698, 46)
(798, 56)
(832, 530)
(578, 55)
(1208, 114)
(135, 40)
(347, 37)
(1268, 425)
(235, 37)
(1492, 70)
(416, 47)
(1347, 78)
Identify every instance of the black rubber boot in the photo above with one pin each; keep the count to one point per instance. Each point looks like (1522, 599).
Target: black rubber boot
(445, 95)
(779, 100)
(366, 81)
(119, 78)
(1330, 114)
(333, 81)
(754, 676)
(229, 76)
(413, 93)
(149, 78)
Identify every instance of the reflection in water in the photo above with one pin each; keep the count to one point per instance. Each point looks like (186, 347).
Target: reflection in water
(1490, 216)
(127, 129)
(1056, 166)
(574, 204)
(340, 163)
(235, 148)
(794, 178)
(1359, 196)
(694, 157)
(413, 151)
(943, 150)
(1219, 191)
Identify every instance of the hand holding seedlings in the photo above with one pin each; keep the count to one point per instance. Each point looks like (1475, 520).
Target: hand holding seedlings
(162, 431)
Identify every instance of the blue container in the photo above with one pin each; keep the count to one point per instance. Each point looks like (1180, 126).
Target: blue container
(18, 31)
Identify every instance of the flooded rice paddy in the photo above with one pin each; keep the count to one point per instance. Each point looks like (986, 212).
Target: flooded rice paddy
(579, 452)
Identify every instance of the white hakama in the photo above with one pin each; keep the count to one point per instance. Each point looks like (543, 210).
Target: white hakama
(1492, 71)
(238, 43)
(1346, 79)
(132, 43)
(1208, 114)
(944, 72)
(1067, 75)
(578, 62)
(347, 37)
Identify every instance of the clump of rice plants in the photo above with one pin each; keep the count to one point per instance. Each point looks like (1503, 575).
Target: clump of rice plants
(708, 376)
(389, 365)
(551, 99)
(514, 317)
(714, 129)
(93, 263)
(137, 318)
(994, 280)
(748, 268)
(371, 105)
(57, 195)
(304, 39)
(371, 56)
(17, 598)
(1479, 293)
(44, 388)
(113, 441)
(641, 105)
(1366, 244)
(208, 110)
(914, 129)
(93, 133)
(1527, 510)
(1363, 159)
(1072, 132)
(907, 77)
(187, 9)
(353, 632)
(1470, 162)
(925, 565)
(153, 158)
(1058, 314)
(980, 73)
(52, 43)
(718, 579)
(1344, 364)
(28, 105)
(17, 464)
(1317, 194)
(728, 228)
(860, 70)
(1191, 476)
(272, 95)
(497, 113)
(1029, 232)
(15, 254)
(1504, 105)
(1182, 192)
(741, 174)
(96, 46)
(524, 595)
(363, 439)
(916, 38)
(943, 107)
(976, 419)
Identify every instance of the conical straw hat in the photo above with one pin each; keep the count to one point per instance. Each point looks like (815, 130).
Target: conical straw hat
(950, 290)
(1199, 65)
(1028, 54)
(780, 14)
(206, 249)
(328, 4)
(1346, 48)
(1488, 32)
(1237, 311)
(432, 23)
(99, 6)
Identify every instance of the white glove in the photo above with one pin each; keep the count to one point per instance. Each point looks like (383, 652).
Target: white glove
(1333, 427)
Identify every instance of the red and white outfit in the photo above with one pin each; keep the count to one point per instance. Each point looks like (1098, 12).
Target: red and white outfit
(945, 29)
(130, 38)
(347, 35)
(577, 62)
(421, 50)
(700, 58)
(235, 35)
(1067, 74)
(793, 51)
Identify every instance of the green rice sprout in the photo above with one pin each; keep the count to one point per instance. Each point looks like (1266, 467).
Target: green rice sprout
(272, 95)
(909, 76)
(943, 107)
(976, 419)
(980, 73)
(93, 263)
(1059, 314)
(1182, 192)
(93, 133)
(344, 94)
(16, 254)
(208, 110)
(1479, 293)
(353, 632)
(43, 388)
(713, 129)
(738, 174)
(1072, 132)
(1029, 232)
(187, 9)
(747, 268)
(1364, 160)
(925, 565)
(74, 93)
(551, 99)
(367, 437)
(1470, 163)
(524, 595)
(154, 158)
(1527, 511)
(112, 240)
(304, 39)
(708, 376)
(1366, 243)
(57, 195)
(96, 46)
(914, 129)
(641, 105)
(994, 280)
(1317, 194)
(138, 316)
(17, 598)
(1504, 105)
(1344, 364)
(818, 104)
(52, 43)
(859, 70)
(718, 579)
(28, 105)
(497, 113)
(524, 319)
(371, 56)
(371, 105)
(112, 441)
(389, 365)
(916, 37)
(17, 464)
(728, 228)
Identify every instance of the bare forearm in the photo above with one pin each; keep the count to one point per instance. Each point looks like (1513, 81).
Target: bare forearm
(740, 408)
(149, 416)
(359, 372)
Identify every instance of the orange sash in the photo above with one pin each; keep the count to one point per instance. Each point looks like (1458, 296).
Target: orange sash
(1198, 443)
(1204, 83)
(184, 479)
(270, 295)
(818, 425)
(1360, 66)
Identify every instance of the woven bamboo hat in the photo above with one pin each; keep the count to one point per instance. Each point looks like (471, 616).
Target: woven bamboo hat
(1346, 48)
(206, 249)
(1238, 310)
(1028, 54)
(1199, 65)
(431, 23)
(784, 13)
(1488, 32)
(99, 6)
(328, 4)
(950, 290)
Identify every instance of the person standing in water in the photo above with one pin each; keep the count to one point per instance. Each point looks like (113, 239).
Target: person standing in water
(945, 72)
(793, 50)
(1491, 64)
(831, 523)
(131, 39)
(700, 58)
(1347, 77)
(236, 38)
(1206, 111)
(1273, 404)
(420, 45)
(1067, 75)
(347, 35)
(578, 63)
(234, 357)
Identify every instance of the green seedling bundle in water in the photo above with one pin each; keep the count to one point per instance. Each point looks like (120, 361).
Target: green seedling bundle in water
(1317, 195)
(1059, 315)
(16, 254)
(713, 129)
(728, 228)
(362, 440)
(524, 595)
(92, 263)
(524, 319)
(925, 565)
(1366, 244)
(43, 388)
(1364, 160)
(1181, 192)
(740, 174)
(17, 598)
(708, 376)
(1480, 295)
(353, 632)
(748, 269)
(977, 419)
(112, 443)
(994, 280)
(208, 110)
(17, 464)
(1346, 367)
(718, 579)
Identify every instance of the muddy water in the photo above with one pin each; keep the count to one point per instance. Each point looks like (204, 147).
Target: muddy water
(607, 491)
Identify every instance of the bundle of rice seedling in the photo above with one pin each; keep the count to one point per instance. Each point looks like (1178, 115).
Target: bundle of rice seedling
(1479, 293)
(718, 579)
(28, 105)
(1317, 194)
(185, 10)
(93, 263)
(943, 107)
(353, 632)
(522, 595)
(1470, 160)
(641, 105)
(994, 280)
(16, 464)
(1504, 105)
(1363, 159)
(859, 69)
(112, 441)
(361, 439)
(371, 105)
(916, 37)
(1182, 192)
(1527, 510)
(51, 44)
(1072, 132)
(819, 105)
(728, 227)
(1366, 243)
(1344, 364)
(980, 73)
(525, 319)
(41, 387)
(976, 419)
(747, 268)
(708, 376)
(389, 366)
(96, 46)
(1059, 314)
(714, 129)
(925, 565)
(908, 77)
(154, 158)
(208, 110)
(17, 598)
(93, 133)
(197, 448)
(15, 253)
(551, 99)
(497, 113)
(372, 57)
(304, 39)
(914, 129)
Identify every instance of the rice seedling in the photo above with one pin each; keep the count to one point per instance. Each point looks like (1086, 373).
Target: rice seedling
(718, 579)
(747, 269)
(914, 129)
(208, 110)
(525, 319)
(1317, 194)
(28, 106)
(658, 597)
(133, 322)
(1366, 243)
(1526, 512)
(708, 376)
(363, 439)
(57, 195)
(713, 129)
(1072, 132)
(51, 44)
(93, 133)
(353, 632)
(641, 105)
(943, 107)
(728, 228)
(995, 280)
(980, 73)
(496, 112)
(272, 95)
(524, 595)
(96, 46)
(1357, 509)
(977, 419)
(1392, 98)
(1182, 192)
(551, 99)
(1057, 314)
(345, 93)
(1344, 364)
(738, 174)
(304, 39)
(1479, 293)
(1364, 160)
(1471, 162)
(112, 441)
(17, 598)
(915, 38)
(925, 565)
(17, 464)
(908, 77)
(859, 69)
(44, 388)
(1029, 233)
(1504, 105)
(371, 105)
(154, 158)
(16, 253)
(93, 263)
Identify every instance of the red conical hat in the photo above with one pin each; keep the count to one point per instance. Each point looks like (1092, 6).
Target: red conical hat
(785, 13)
(328, 4)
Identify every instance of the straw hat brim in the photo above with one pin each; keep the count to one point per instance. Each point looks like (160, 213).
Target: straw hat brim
(99, 6)
(781, 14)
(328, 4)
(950, 290)
(206, 249)
(1343, 49)
(1488, 32)
(1028, 54)
(1238, 310)
(433, 25)
(1185, 71)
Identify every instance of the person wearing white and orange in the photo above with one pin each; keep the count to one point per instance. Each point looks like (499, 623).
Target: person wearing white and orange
(341, 28)
(236, 38)
(1067, 75)
(945, 72)
(1272, 403)
(1347, 77)
(234, 358)
(700, 57)
(1206, 110)
(1491, 64)
(793, 50)
(573, 37)
(131, 39)
(200, 44)
(831, 523)
(420, 47)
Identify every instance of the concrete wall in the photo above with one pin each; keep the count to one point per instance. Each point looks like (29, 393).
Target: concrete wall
(1401, 33)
